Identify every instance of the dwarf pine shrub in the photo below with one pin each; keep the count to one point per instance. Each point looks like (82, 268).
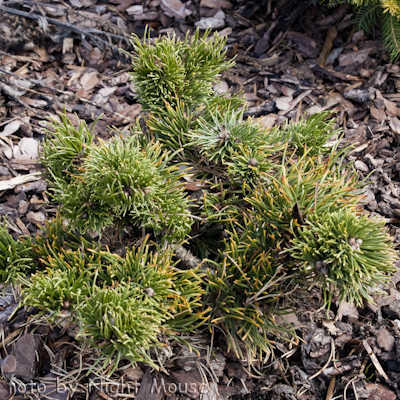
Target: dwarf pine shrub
(275, 209)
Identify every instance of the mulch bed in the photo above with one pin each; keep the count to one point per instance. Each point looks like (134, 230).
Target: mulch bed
(291, 61)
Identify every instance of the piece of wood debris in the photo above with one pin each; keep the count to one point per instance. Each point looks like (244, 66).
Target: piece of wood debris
(18, 180)
(374, 360)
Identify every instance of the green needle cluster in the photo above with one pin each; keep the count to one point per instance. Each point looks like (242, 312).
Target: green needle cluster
(117, 183)
(350, 254)
(174, 70)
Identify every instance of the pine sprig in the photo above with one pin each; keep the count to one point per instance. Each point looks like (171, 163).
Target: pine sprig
(56, 290)
(65, 147)
(16, 258)
(220, 137)
(122, 323)
(309, 135)
(368, 17)
(113, 298)
(243, 291)
(119, 182)
(347, 252)
(391, 35)
(308, 186)
(173, 70)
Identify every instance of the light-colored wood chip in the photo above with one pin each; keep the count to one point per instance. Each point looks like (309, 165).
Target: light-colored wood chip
(18, 180)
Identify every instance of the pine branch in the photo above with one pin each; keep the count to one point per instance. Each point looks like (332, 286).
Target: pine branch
(391, 35)
(368, 16)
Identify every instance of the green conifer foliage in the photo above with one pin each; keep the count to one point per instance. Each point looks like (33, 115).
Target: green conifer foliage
(16, 258)
(275, 209)
(118, 182)
(347, 252)
(172, 70)
(125, 320)
(243, 290)
(119, 303)
(64, 147)
(305, 186)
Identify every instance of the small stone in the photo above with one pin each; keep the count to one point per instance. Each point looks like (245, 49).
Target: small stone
(23, 207)
(173, 8)
(385, 340)
(135, 10)
(269, 120)
(282, 103)
(35, 218)
(215, 22)
(287, 91)
(4, 171)
(27, 149)
(361, 166)
(134, 374)
(22, 361)
(221, 87)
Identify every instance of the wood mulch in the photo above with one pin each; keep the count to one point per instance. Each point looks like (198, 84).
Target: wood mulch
(292, 59)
